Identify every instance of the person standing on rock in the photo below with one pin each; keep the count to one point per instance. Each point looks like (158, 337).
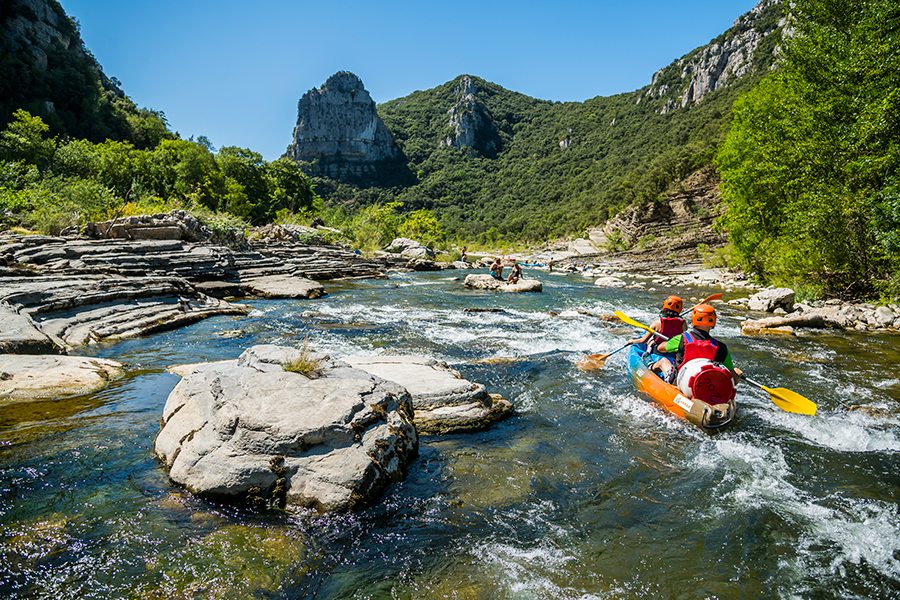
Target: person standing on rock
(462, 254)
(668, 324)
(696, 343)
(516, 273)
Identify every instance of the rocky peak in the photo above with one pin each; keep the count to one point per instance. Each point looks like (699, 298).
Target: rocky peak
(471, 125)
(748, 46)
(340, 133)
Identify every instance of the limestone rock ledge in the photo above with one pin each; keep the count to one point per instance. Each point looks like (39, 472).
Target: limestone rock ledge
(248, 430)
(25, 377)
(486, 282)
(444, 402)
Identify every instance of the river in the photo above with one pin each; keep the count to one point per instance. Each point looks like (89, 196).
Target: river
(588, 491)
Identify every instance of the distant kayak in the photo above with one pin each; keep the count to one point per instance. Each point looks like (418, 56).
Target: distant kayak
(702, 414)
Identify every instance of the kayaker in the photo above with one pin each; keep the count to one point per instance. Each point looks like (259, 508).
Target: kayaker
(497, 269)
(516, 273)
(669, 323)
(695, 343)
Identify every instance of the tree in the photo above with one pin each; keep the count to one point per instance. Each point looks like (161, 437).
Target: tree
(25, 139)
(288, 188)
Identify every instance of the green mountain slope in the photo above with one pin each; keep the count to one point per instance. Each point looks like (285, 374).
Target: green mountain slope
(46, 69)
(561, 167)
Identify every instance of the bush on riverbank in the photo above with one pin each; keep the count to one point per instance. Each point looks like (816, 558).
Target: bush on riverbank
(50, 183)
(811, 166)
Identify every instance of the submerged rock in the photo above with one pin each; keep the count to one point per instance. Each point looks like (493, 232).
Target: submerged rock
(250, 430)
(26, 377)
(486, 282)
(444, 402)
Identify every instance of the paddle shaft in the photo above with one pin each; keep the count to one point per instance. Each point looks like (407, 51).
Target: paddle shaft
(717, 296)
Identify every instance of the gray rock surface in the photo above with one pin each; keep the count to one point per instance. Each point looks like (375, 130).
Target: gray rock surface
(444, 402)
(339, 128)
(769, 299)
(409, 249)
(471, 124)
(249, 430)
(19, 334)
(486, 282)
(25, 377)
(284, 286)
(78, 309)
(609, 281)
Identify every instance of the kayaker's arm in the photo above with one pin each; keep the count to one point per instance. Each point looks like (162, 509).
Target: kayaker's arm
(655, 326)
(736, 373)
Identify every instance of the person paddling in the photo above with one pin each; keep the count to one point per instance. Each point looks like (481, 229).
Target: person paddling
(668, 324)
(696, 343)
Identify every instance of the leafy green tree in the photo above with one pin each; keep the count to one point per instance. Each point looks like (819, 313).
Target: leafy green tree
(810, 166)
(26, 139)
(423, 226)
(288, 188)
(247, 169)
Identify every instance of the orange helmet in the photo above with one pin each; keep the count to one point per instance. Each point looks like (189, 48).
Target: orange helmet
(703, 315)
(673, 303)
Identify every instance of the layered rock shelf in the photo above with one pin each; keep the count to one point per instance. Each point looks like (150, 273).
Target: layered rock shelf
(444, 402)
(25, 377)
(249, 430)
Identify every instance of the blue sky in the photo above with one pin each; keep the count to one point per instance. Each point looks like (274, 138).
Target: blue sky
(234, 70)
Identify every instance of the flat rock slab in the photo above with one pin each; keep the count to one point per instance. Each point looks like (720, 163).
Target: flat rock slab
(284, 286)
(486, 282)
(444, 402)
(25, 377)
(20, 334)
(248, 430)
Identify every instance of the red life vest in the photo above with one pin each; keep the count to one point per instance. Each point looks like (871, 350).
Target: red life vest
(694, 348)
(671, 326)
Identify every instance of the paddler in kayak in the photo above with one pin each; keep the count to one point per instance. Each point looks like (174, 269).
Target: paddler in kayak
(699, 355)
(668, 324)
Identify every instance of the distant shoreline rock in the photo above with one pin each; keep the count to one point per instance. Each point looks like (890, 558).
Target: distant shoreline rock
(487, 282)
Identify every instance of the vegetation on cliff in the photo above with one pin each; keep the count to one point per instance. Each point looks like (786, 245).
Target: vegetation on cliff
(811, 166)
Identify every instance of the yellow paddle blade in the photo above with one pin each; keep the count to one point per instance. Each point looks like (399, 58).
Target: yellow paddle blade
(626, 319)
(791, 401)
(592, 362)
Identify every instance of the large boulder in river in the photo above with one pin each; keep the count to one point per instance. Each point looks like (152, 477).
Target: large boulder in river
(770, 299)
(410, 249)
(26, 377)
(487, 282)
(331, 438)
(444, 402)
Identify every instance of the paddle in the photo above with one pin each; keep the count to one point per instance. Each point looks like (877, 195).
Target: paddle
(786, 400)
(706, 300)
(596, 361)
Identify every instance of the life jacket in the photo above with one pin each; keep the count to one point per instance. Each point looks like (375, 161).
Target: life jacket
(694, 348)
(671, 326)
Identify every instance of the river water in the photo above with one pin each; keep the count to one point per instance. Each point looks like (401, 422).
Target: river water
(588, 491)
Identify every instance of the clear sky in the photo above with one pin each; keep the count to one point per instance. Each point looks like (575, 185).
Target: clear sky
(233, 70)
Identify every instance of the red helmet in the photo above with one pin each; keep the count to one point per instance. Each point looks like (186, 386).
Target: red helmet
(673, 303)
(704, 315)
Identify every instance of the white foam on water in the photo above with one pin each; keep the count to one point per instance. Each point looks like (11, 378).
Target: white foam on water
(845, 431)
(524, 571)
(848, 531)
(887, 383)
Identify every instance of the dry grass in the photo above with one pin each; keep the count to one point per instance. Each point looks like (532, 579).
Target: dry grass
(305, 363)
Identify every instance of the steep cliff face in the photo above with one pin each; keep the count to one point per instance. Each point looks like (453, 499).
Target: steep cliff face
(471, 123)
(339, 132)
(745, 48)
(46, 70)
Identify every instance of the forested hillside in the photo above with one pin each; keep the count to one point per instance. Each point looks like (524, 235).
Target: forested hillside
(555, 168)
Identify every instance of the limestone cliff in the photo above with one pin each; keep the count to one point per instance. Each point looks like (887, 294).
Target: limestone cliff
(745, 48)
(341, 135)
(471, 124)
